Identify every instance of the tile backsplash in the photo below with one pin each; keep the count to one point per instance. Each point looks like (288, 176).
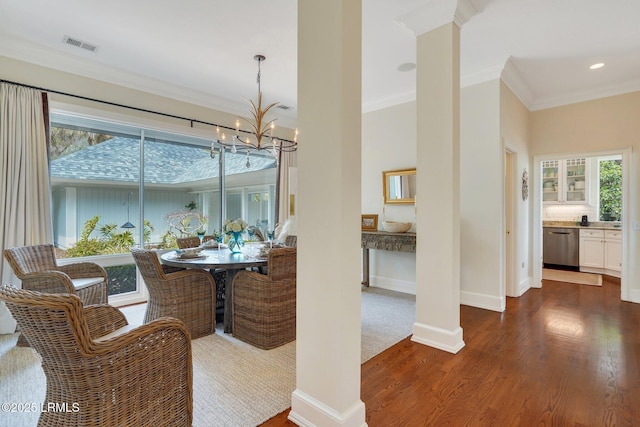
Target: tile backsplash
(569, 212)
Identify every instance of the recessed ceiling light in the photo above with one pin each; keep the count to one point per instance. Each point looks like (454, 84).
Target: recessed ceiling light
(596, 66)
(407, 66)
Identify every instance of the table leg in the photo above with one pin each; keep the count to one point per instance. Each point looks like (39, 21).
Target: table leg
(228, 301)
(365, 267)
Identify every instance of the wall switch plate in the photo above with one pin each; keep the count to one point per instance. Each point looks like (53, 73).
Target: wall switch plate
(636, 225)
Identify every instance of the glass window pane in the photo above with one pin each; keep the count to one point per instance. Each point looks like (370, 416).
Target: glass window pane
(94, 181)
(89, 202)
(96, 171)
(178, 177)
(250, 186)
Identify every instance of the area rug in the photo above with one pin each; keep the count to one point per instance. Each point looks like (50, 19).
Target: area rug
(234, 383)
(572, 277)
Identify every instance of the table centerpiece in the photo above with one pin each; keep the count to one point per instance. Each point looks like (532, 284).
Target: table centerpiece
(234, 230)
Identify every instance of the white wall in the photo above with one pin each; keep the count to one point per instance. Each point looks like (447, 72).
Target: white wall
(606, 124)
(481, 204)
(389, 143)
(514, 131)
(491, 117)
(30, 74)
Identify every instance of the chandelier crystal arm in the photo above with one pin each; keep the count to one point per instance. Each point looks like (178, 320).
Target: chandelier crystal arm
(260, 129)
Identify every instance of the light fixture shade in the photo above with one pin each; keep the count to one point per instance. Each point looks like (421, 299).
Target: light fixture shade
(127, 225)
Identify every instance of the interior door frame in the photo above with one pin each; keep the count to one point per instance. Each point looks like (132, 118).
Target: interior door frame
(536, 186)
(510, 228)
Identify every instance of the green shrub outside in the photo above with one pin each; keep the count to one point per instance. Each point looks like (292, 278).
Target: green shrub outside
(611, 190)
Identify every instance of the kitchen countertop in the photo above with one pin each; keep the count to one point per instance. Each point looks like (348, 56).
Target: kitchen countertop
(595, 225)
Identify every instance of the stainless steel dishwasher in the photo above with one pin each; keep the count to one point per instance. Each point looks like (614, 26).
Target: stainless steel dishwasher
(561, 247)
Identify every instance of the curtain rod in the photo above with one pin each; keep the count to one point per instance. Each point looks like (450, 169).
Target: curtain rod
(115, 104)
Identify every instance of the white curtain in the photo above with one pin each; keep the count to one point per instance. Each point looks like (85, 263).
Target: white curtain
(287, 185)
(25, 194)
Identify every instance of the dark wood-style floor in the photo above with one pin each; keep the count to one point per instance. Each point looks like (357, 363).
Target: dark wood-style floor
(563, 355)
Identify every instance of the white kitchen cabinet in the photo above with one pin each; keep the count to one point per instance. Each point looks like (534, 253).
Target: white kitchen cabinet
(613, 250)
(601, 251)
(565, 181)
(592, 248)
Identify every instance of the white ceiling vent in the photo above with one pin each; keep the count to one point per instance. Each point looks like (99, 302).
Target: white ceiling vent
(79, 43)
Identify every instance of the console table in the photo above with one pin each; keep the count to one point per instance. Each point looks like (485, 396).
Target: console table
(382, 240)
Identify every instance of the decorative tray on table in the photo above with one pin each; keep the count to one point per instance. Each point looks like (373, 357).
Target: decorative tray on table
(190, 254)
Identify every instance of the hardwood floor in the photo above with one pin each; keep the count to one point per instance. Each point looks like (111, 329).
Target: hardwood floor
(563, 355)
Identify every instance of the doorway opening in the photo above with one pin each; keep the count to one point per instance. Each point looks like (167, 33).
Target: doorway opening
(540, 215)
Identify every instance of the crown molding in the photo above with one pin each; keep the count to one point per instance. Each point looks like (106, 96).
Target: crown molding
(63, 61)
(436, 13)
(389, 102)
(628, 86)
(464, 11)
(513, 79)
(488, 73)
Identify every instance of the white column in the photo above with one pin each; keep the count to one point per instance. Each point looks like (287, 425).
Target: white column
(436, 25)
(328, 215)
(438, 191)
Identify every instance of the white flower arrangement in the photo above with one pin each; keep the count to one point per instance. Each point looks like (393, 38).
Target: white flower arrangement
(236, 226)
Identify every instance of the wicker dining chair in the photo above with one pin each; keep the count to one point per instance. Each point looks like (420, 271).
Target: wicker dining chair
(104, 374)
(257, 234)
(37, 268)
(219, 276)
(188, 295)
(291, 241)
(264, 306)
(39, 271)
(188, 242)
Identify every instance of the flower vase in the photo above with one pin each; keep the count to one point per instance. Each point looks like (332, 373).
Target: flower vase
(235, 242)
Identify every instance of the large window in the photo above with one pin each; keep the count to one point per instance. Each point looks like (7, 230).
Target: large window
(610, 188)
(116, 185)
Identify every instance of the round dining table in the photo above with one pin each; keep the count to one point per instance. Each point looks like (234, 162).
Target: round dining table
(220, 259)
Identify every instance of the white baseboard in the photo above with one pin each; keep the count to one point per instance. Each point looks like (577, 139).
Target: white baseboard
(442, 339)
(524, 286)
(309, 412)
(390, 284)
(487, 302)
(612, 273)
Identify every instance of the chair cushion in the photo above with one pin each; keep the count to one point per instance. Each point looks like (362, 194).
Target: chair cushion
(84, 282)
(116, 333)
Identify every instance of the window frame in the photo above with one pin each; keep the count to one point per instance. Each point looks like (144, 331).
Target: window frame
(154, 128)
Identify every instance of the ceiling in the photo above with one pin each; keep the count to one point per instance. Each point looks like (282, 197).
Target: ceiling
(201, 51)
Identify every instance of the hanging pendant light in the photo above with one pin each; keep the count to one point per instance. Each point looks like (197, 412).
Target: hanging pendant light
(261, 128)
(128, 202)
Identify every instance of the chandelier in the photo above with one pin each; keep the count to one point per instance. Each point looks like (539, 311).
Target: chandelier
(261, 136)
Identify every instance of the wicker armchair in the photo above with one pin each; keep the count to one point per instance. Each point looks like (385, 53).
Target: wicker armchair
(264, 306)
(38, 270)
(136, 377)
(291, 241)
(219, 276)
(36, 266)
(257, 234)
(188, 242)
(188, 295)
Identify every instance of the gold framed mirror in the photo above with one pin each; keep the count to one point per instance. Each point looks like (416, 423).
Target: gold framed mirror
(399, 186)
